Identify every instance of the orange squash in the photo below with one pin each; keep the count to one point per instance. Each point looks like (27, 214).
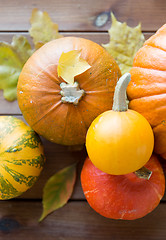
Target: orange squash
(147, 89)
(125, 196)
(40, 90)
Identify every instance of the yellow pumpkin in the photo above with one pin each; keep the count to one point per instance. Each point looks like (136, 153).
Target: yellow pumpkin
(120, 141)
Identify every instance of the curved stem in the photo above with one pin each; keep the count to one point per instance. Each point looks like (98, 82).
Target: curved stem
(119, 103)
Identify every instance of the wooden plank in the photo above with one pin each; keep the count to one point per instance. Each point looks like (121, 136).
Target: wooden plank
(78, 15)
(98, 37)
(75, 221)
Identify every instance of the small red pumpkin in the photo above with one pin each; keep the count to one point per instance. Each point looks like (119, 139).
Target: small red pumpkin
(147, 89)
(40, 90)
(125, 196)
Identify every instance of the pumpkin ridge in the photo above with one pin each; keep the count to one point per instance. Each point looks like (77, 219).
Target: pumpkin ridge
(6, 189)
(90, 103)
(155, 70)
(52, 78)
(147, 96)
(7, 176)
(39, 81)
(96, 79)
(153, 122)
(95, 65)
(156, 171)
(28, 139)
(151, 58)
(149, 68)
(20, 178)
(146, 82)
(98, 92)
(44, 91)
(66, 120)
(82, 119)
(155, 190)
(53, 107)
(35, 162)
(154, 46)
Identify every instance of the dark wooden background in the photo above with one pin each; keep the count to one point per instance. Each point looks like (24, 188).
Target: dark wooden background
(76, 221)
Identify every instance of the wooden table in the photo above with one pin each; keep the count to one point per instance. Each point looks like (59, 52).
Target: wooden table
(19, 217)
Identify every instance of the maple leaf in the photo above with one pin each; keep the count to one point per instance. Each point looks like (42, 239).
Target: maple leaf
(12, 58)
(42, 28)
(70, 65)
(124, 42)
(58, 190)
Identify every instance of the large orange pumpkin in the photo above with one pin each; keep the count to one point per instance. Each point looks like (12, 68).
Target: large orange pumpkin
(147, 89)
(40, 90)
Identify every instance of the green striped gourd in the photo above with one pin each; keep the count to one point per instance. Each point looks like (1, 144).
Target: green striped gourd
(21, 157)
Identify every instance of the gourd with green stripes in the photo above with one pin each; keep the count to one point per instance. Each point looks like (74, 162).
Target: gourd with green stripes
(21, 157)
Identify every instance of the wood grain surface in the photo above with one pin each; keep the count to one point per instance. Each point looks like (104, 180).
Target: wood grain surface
(76, 221)
(78, 15)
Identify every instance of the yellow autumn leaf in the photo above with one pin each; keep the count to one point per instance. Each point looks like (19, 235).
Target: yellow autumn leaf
(12, 58)
(124, 42)
(42, 28)
(70, 65)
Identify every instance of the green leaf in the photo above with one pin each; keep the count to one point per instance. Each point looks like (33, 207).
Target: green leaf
(42, 28)
(70, 65)
(12, 58)
(124, 43)
(58, 190)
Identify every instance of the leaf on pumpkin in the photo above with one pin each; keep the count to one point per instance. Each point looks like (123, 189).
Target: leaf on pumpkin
(58, 190)
(42, 28)
(70, 65)
(124, 42)
(12, 58)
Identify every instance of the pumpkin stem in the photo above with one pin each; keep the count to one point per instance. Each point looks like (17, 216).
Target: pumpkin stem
(71, 93)
(119, 103)
(143, 173)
